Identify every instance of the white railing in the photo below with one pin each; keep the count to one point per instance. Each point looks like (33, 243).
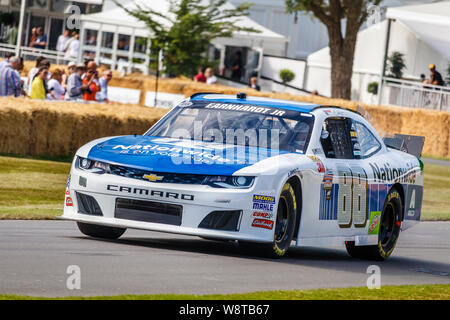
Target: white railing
(56, 57)
(413, 94)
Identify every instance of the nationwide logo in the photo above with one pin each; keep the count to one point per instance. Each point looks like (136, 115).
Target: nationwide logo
(152, 177)
(263, 223)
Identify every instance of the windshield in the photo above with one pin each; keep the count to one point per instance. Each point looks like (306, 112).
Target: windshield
(237, 124)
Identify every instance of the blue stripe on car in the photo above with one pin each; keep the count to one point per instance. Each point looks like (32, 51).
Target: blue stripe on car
(153, 154)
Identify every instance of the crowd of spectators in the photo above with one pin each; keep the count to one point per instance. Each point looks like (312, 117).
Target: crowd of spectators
(81, 82)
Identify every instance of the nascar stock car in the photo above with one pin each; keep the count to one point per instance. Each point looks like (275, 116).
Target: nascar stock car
(266, 173)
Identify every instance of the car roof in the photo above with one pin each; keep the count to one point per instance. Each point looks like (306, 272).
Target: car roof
(263, 101)
(257, 101)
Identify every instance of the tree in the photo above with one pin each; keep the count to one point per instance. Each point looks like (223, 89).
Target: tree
(333, 14)
(286, 75)
(185, 33)
(396, 65)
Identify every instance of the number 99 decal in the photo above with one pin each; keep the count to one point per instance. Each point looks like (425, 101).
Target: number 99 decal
(352, 197)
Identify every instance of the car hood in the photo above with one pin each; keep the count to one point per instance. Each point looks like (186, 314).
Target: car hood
(178, 156)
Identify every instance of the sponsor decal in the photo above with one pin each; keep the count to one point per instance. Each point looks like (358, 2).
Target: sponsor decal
(67, 192)
(353, 134)
(174, 152)
(317, 151)
(148, 192)
(152, 177)
(69, 202)
(294, 172)
(385, 173)
(68, 183)
(374, 225)
(319, 163)
(328, 184)
(263, 203)
(263, 223)
(246, 108)
(264, 215)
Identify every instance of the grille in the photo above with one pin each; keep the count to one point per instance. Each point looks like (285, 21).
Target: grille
(148, 211)
(167, 177)
(88, 205)
(222, 220)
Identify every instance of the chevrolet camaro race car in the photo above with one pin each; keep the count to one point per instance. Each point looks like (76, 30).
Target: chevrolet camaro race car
(267, 173)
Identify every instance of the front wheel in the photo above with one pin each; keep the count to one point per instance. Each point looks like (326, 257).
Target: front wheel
(389, 231)
(103, 232)
(284, 228)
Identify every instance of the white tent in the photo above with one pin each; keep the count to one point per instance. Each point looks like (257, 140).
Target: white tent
(114, 19)
(430, 22)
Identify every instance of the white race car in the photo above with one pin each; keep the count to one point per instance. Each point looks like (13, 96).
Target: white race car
(261, 171)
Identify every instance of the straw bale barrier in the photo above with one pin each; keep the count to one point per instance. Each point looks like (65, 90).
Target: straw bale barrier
(30, 127)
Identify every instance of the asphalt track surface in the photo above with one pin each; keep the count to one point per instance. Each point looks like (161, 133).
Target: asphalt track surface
(35, 255)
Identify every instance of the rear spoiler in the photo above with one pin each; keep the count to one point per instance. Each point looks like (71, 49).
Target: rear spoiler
(409, 144)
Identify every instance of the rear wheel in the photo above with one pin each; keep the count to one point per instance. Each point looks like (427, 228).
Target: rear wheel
(284, 228)
(103, 232)
(388, 234)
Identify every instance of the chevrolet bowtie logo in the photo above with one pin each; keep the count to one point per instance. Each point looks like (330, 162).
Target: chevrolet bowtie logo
(153, 177)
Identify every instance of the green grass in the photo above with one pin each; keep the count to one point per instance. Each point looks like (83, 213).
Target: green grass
(413, 292)
(34, 189)
(436, 200)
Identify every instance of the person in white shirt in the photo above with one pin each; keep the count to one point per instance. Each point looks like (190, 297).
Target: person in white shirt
(73, 47)
(62, 41)
(210, 77)
(55, 87)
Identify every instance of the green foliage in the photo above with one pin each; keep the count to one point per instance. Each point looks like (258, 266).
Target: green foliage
(396, 65)
(287, 75)
(373, 87)
(325, 8)
(186, 32)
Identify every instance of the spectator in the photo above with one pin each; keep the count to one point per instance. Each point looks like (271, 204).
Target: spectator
(75, 87)
(10, 79)
(40, 62)
(200, 77)
(90, 82)
(73, 46)
(236, 68)
(254, 83)
(71, 67)
(55, 86)
(38, 86)
(5, 62)
(33, 37)
(41, 40)
(210, 77)
(11, 36)
(62, 41)
(435, 76)
(102, 96)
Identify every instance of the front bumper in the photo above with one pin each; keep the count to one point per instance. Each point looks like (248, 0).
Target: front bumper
(197, 203)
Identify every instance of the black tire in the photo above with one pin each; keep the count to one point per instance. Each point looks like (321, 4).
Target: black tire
(284, 228)
(103, 232)
(388, 234)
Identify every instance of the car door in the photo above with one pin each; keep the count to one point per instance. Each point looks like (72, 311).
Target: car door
(345, 194)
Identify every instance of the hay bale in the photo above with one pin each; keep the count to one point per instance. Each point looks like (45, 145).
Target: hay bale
(35, 128)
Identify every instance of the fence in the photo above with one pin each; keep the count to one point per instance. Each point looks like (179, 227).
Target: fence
(415, 95)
